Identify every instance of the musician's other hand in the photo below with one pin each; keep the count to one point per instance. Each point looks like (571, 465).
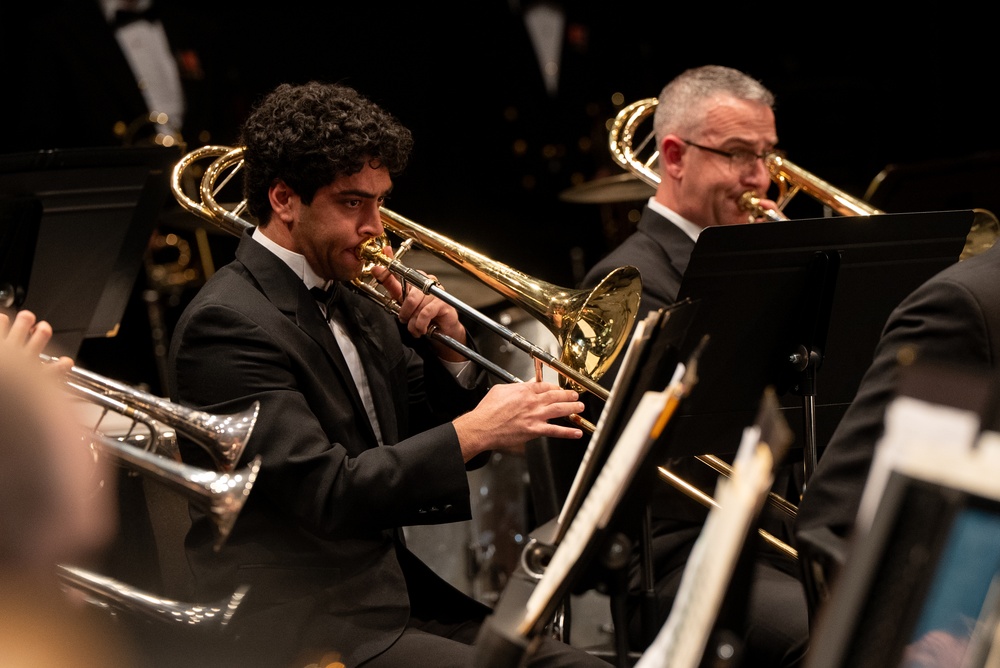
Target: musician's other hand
(419, 311)
(512, 414)
(29, 335)
(769, 205)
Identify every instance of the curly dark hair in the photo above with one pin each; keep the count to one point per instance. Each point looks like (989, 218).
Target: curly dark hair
(307, 135)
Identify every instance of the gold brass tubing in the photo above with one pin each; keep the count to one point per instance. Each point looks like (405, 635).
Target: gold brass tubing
(709, 502)
(775, 500)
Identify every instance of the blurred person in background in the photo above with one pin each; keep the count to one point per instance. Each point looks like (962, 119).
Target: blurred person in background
(57, 509)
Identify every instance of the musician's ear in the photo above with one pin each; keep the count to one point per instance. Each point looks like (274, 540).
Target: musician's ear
(283, 201)
(672, 150)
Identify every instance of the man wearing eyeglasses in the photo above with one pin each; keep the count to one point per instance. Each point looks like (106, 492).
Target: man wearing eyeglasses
(713, 127)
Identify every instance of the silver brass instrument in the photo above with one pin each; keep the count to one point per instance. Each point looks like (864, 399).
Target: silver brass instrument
(592, 326)
(113, 595)
(224, 437)
(219, 495)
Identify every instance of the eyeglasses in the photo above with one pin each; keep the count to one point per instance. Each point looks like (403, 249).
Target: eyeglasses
(740, 159)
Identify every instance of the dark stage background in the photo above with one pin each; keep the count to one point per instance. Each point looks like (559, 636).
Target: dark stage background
(494, 151)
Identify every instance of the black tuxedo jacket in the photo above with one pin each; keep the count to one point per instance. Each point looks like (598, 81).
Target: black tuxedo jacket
(318, 540)
(953, 319)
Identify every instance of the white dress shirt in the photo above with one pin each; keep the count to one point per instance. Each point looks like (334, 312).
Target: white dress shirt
(677, 219)
(298, 264)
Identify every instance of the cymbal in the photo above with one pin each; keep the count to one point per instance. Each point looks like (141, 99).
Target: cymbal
(609, 189)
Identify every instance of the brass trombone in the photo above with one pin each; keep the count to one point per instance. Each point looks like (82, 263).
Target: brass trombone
(592, 326)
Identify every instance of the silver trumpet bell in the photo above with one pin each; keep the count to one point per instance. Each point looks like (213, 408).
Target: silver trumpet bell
(220, 495)
(224, 437)
(113, 595)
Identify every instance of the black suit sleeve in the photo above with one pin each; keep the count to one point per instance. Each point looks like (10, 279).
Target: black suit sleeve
(943, 321)
(319, 464)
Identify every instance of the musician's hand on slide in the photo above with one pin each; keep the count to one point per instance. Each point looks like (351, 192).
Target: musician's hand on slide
(419, 311)
(512, 414)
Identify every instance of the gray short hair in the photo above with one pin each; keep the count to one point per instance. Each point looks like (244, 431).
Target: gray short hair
(679, 109)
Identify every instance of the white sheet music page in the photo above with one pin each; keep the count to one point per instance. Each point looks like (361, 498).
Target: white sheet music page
(602, 498)
(914, 429)
(596, 438)
(683, 637)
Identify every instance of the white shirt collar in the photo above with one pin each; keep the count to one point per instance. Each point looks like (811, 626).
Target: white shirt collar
(111, 6)
(677, 219)
(295, 261)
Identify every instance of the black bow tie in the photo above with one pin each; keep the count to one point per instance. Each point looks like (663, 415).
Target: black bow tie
(330, 298)
(123, 17)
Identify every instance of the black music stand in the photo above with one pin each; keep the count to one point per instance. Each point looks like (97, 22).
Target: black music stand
(799, 306)
(650, 361)
(85, 216)
(20, 218)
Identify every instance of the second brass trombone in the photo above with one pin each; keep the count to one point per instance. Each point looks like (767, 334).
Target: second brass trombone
(637, 156)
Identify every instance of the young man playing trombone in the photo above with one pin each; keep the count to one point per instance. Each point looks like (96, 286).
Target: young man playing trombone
(365, 425)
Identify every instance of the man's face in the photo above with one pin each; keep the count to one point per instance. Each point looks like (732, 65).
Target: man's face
(342, 215)
(710, 185)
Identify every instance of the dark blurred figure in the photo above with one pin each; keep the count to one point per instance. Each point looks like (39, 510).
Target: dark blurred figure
(106, 73)
(88, 76)
(517, 114)
(53, 511)
(951, 321)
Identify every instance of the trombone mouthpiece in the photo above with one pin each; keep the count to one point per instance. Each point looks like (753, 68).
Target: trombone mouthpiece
(750, 201)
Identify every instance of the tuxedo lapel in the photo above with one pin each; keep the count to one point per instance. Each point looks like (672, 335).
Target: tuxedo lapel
(373, 361)
(288, 293)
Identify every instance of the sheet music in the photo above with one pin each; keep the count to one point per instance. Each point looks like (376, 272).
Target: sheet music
(915, 429)
(682, 639)
(597, 439)
(975, 470)
(603, 497)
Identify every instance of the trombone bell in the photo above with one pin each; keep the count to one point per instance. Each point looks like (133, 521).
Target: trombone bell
(591, 326)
